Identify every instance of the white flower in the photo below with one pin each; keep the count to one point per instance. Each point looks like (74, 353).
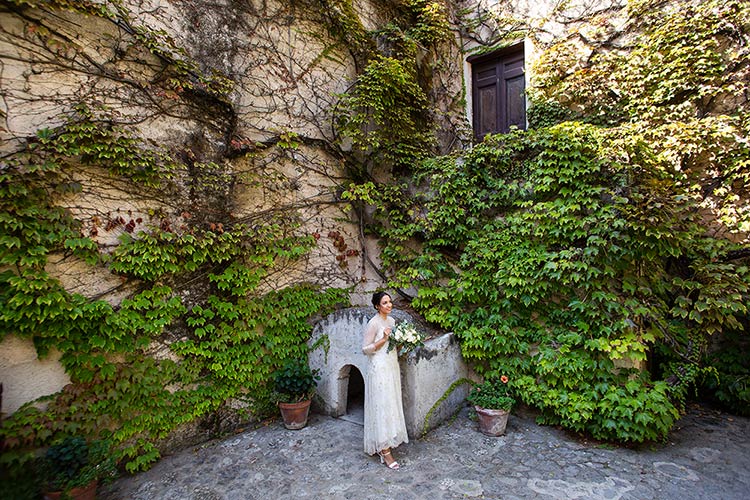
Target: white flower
(405, 337)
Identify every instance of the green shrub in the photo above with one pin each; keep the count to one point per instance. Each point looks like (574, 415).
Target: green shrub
(493, 393)
(295, 381)
(551, 258)
(74, 463)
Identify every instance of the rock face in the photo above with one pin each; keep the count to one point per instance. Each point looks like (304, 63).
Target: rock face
(24, 376)
(255, 143)
(239, 100)
(238, 95)
(427, 373)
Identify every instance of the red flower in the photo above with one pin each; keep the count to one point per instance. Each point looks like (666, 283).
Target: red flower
(504, 379)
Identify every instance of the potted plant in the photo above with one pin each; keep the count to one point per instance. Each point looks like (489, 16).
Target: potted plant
(73, 467)
(295, 385)
(492, 400)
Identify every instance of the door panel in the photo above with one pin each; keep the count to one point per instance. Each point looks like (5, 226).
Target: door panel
(487, 110)
(498, 89)
(515, 102)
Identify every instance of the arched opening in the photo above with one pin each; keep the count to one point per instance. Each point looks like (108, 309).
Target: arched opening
(355, 397)
(354, 385)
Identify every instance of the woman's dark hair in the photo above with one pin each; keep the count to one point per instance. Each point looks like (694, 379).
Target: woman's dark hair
(377, 297)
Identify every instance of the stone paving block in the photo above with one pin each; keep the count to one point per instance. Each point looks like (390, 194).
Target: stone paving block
(706, 457)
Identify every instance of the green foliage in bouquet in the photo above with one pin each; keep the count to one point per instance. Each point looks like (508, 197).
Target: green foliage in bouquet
(405, 338)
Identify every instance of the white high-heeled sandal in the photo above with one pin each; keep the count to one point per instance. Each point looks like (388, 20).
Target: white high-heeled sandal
(393, 465)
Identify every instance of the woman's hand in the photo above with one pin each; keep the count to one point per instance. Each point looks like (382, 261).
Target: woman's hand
(384, 338)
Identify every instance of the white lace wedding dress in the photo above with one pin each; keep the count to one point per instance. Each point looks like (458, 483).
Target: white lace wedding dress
(384, 413)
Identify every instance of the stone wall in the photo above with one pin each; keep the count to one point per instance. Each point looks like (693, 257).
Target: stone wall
(24, 376)
(264, 152)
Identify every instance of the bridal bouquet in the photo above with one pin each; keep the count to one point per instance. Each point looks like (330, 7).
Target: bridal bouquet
(405, 338)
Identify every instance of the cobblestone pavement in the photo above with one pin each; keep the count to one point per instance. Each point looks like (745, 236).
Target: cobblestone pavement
(706, 457)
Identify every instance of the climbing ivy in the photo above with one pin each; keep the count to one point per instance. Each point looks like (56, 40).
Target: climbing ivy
(200, 325)
(553, 259)
(230, 336)
(581, 253)
(675, 82)
(383, 115)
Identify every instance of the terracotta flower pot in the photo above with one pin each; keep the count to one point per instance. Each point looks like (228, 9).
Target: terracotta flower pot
(87, 492)
(295, 414)
(492, 422)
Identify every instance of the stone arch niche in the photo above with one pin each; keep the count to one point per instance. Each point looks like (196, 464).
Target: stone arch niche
(351, 389)
(426, 373)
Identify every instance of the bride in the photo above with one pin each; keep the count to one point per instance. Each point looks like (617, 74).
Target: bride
(384, 414)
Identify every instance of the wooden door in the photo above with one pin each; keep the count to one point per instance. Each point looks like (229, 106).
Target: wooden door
(499, 99)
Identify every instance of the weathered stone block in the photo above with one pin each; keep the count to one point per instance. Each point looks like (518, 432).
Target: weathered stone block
(426, 373)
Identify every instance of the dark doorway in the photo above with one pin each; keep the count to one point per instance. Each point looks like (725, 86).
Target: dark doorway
(355, 396)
